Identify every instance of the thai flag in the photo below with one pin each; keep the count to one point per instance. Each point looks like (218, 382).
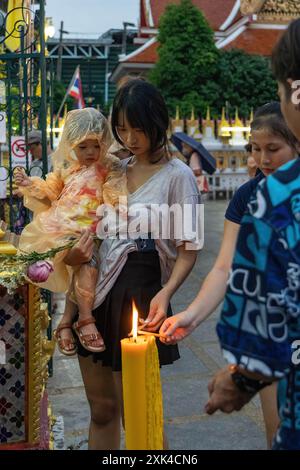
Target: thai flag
(75, 89)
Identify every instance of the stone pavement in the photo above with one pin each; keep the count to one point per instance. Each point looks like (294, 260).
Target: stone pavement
(184, 383)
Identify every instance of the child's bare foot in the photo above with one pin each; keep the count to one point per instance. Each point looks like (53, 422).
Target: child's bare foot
(65, 339)
(88, 335)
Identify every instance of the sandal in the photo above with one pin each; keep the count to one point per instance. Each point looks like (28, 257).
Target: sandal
(65, 343)
(86, 340)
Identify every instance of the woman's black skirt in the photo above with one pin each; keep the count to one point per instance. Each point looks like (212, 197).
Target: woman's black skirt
(139, 280)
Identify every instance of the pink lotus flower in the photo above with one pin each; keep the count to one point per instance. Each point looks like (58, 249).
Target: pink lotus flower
(39, 271)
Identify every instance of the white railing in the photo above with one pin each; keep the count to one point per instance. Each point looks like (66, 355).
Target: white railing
(223, 184)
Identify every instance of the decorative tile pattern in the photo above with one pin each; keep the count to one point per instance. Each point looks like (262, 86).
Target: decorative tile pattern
(12, 374)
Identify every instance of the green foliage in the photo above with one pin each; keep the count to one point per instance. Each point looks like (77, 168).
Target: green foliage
(191, 72)
(243, 80)
(187, 55)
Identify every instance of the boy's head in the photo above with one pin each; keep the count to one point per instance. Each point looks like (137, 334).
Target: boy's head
(286, 68)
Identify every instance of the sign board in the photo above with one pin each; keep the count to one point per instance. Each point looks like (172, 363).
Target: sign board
(18, 151)
(2, 128)
(2, 92)
(3, 181)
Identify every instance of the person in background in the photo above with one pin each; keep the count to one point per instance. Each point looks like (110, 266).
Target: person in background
(194, 162)
(35, 147)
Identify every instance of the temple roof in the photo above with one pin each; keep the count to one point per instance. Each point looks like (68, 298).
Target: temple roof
(278, 11)
(256, 32)
(274, 11)
(142, 59)
(255, 41)
(145, 54)
(215, 11)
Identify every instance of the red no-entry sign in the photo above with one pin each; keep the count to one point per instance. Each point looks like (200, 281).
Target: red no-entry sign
(18, 151)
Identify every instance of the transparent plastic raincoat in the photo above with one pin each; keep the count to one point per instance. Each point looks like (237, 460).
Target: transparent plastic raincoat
(66, 202)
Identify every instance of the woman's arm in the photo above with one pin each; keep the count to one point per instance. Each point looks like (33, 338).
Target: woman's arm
(211, 293)
(184, 264)
(159, 305)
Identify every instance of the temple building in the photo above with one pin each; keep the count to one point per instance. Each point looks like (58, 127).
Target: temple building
(251, 25)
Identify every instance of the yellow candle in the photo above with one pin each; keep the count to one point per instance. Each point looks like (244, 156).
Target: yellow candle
(2, 233)
(7, 249)
(143, 410)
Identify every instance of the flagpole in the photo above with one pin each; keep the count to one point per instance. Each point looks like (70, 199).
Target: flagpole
(66, 95)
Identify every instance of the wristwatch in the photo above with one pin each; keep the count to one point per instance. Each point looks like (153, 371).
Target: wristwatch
(245, 384)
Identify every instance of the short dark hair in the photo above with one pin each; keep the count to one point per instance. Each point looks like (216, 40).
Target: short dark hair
(270, 117)
(286, 55)
(144, 108)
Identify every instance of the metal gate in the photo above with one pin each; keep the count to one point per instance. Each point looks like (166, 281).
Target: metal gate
(26, 99)
(25, 95)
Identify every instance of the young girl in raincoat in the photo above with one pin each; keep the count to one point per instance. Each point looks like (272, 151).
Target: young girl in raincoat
(85, 176)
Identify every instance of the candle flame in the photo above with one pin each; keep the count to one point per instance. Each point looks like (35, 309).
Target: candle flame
(135, 317)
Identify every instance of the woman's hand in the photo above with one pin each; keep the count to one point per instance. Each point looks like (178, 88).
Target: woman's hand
(81, 252)
(177, 327)
(20, 177)
(158, 310)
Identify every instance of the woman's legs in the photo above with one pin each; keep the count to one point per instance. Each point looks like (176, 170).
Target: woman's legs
(117, 378)
(268, 398)
(104, 403)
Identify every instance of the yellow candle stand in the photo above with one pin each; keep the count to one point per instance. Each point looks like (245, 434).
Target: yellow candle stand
(26, 417)
(142, 393)
(6, 248)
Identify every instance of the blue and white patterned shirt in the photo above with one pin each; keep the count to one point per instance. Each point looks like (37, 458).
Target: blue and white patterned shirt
(260, 322)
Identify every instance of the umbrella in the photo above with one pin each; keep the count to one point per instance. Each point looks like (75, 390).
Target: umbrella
(208, 162)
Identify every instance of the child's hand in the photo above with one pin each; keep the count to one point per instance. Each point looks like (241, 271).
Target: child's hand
(20, 177)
